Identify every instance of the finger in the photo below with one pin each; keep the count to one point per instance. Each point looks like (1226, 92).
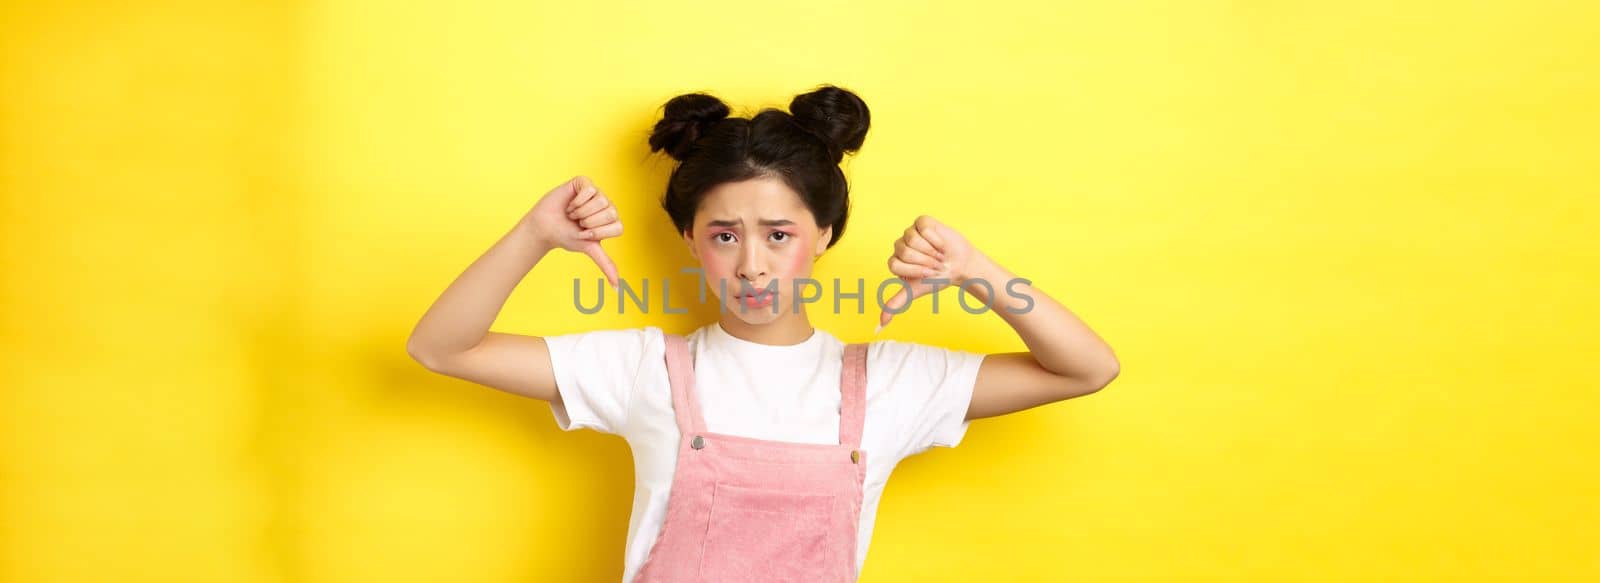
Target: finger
(910, 271)
(914, 289)
(916, 241)
(605, 231)
(910, 254)
(595, 252)
(928, 227)
(893, 305)
(584, 191)
(606, 216)
(592, 206)
(908, 293)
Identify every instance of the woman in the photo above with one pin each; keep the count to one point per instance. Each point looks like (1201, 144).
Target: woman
(761, 444)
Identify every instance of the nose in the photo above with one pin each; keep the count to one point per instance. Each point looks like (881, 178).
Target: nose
(752, 267)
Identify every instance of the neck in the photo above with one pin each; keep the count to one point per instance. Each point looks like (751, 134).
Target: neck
(787, 330)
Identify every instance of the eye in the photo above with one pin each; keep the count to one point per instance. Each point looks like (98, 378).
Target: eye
(718, 237)
(782, 236)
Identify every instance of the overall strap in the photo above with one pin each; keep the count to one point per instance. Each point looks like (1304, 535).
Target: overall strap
(680, 374)
(853, 395)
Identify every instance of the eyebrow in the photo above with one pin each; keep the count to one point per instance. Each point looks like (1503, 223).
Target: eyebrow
(764, 223)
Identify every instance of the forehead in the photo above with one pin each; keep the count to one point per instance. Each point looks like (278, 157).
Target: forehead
(766, 198)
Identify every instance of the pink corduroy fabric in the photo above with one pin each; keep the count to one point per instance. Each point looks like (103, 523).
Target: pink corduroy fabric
(744, 509)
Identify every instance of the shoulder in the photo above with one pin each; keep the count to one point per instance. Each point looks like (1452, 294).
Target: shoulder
(639, 335)
(631, 345)
(891, 353)
(597, 373)
(926, 391)
(912, 367)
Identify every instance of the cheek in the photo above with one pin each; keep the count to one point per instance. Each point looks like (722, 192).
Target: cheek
(802, 253)
(709, 259)
(712, 262)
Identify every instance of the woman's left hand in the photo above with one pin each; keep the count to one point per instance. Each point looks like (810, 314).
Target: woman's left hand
(928, 249)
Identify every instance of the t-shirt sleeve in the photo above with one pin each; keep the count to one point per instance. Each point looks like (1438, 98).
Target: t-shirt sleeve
(931, 389)
(596, 373)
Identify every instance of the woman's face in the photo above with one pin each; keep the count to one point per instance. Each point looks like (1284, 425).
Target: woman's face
(757, 232)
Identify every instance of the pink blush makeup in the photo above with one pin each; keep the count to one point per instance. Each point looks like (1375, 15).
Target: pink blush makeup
(802, 250)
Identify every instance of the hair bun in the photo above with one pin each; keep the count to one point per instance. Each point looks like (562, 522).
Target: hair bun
(834, 114)
(686, 119)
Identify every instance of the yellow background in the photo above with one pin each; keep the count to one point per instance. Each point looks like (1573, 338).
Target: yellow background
(1345, 251)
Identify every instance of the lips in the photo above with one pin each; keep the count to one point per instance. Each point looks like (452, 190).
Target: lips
(758, 299)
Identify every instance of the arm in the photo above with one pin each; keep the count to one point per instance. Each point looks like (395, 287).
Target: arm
(453, 336)
(1065, 359)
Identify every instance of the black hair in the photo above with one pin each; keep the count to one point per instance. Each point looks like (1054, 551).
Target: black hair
(802, 147)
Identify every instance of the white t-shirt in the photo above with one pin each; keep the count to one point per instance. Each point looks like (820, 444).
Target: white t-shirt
(615, 381)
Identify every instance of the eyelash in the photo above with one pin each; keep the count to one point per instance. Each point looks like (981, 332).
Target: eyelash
(716, 238)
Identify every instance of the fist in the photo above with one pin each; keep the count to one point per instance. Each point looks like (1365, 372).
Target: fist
(927, 249)
(576, 216)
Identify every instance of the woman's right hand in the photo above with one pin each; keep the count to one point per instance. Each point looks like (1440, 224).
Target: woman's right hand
(576, 216)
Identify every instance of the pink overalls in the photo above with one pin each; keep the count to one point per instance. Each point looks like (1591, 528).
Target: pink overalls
(744, 509)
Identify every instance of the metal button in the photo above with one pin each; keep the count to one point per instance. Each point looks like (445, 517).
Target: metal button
(855, 456)
(698, 442)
